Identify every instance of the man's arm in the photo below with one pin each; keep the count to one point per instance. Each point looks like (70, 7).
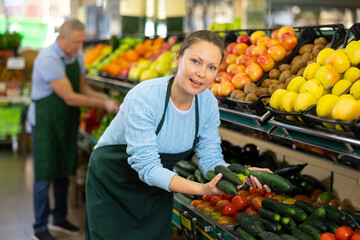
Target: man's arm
(64, 90)
(88, 91)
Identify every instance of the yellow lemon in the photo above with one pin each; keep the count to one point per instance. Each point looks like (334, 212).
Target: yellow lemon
(323, 55)
(313, 86)
(310, 70)
(347, 96)
(355, 90)
(325, 105)
(276, 98)
(352, 74)
(346, 110)
(303, 101)
(295, 84)
(352, 50)
(340, 87)
(287, 101)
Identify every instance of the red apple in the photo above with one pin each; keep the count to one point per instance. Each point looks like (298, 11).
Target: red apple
(277, 52)
(239, 80)
(288, 40)
(240, 59)
(254, 71)
(218, 76)
(225, 88)
(229, 48)
(286, 29)
(230, 68)
(272, 41)
(226, 77)
(243, 38)
(249, 59)
(266, 62)
(263, 41)
(240, 48)
(238, 69)
(256, 35)
(275, 34)
(215, 89)
(222, 67)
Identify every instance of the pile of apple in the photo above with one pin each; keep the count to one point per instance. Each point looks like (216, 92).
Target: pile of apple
(324, 83)
(250, 57)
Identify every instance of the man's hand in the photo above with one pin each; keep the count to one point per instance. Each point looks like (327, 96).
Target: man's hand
(111, 106)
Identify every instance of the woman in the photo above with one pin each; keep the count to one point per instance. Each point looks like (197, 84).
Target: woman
(161, 121)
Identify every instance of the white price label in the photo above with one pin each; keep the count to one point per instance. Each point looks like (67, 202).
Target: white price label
(15, 63)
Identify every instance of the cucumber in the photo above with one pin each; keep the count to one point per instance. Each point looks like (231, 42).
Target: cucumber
(191, 177)
(300, 215)
(310, 230)
(245, 235)
(184, 197)
(229, 175)
(318, 214)
(249, 225)
(186, 165)
(351, 219)
(288, 223)
(265, 235)
(318, 224)
(238, 168)
(332, 226)
(296, 232)
(224, 185)
(195, 160)
(307, 207)
(182, 172)
(288, 237)
(269, 226)
(279, 207)
(334, 214)
(199, 177)
(269, 215)
(274, 181)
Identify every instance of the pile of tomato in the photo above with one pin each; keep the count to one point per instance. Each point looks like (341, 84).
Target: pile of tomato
(342, 233)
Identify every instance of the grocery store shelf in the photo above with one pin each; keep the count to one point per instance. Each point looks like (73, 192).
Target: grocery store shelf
(109, 83)
(85, 141)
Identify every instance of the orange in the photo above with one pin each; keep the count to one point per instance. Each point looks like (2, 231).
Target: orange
(141, 49)
(158, 41)
(132, 55)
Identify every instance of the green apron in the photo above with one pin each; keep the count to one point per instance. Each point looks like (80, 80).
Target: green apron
(121, 206)
(56, 132)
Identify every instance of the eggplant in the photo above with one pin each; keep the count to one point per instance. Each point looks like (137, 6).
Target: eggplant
(226, 147)
(289, 170)
(350, 161)
(315, 181)
(251, 151)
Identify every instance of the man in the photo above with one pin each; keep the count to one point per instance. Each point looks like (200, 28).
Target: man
(58, 89)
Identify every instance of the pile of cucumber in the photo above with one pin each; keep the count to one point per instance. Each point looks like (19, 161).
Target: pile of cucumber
(300, 220)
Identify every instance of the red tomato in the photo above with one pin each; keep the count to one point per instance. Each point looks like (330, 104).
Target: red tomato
(220, 203)
(257, 190)
(314, 194)
(244, 192)
(228, 209)
(206, 198)
(343, 233)
(327, 236)
(240, 201)
(269, 194)
(195, 202)
(235, 215)
(355, 236)
(252, 196)
(254, 213)
(214, 199)
(357, 230)
(256, 202)
(227, 196)
(248, 209)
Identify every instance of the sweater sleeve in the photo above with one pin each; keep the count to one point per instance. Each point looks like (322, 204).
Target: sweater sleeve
(140, 127)
(208, 150)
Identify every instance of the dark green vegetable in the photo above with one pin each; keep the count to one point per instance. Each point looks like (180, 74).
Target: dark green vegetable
(186, 165)
(288, 237)
(199, 177)
(269, 226)
(224, 185)
(296, 232)
(307, 207)
(279, 207)
(265, 235)
(191, 177)
(249, 225)
(310, 230)
(332, 226)
(184, 197)
(274, 181)
(182, 172)
(318, 214)
(334, 214)
(318, 224)
(353, 217)
(288, 223)
(195, 160)
(229, 175)
(291, 169)
(269, 215)
(245, 235)
(300, 215)
(238, 168)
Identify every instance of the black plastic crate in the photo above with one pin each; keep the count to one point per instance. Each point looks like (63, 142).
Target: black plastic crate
(257, 107)
(291, 118)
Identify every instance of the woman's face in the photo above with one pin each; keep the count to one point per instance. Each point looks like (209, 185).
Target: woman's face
(198, 66)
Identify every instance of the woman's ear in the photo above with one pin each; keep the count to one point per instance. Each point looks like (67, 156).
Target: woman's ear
(177, 58)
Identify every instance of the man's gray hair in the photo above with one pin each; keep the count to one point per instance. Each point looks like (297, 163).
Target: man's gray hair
(71, 25)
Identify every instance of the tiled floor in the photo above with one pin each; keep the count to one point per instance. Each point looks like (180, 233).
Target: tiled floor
(16, 200)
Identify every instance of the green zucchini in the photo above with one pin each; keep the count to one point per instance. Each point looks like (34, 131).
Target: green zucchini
(199, 177)
(332, 226)
(296, 232)
(288, 237)
(310, 230)
(265, 235)
(279, 207)
(269, 215)
(318, 224)
(182, 172)
(245, 235)
(249, 225)
(274, 181)
(229, 175)
(334, 214)
(186, 165)
(238, 168)
(307, 207)
(224, 185)
(269, 226)
(318, 214)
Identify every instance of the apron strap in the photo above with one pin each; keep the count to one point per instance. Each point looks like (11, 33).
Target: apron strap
(168, 92)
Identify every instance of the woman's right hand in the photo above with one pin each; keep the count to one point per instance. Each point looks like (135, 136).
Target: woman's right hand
(211, 188)
(111, 106)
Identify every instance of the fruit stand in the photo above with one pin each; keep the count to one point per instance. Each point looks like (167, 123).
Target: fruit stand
(325, 152)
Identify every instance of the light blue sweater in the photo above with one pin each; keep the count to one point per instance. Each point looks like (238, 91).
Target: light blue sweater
(137, 121)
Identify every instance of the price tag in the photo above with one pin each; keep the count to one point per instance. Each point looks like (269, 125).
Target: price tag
(15, 63)
(187, 227)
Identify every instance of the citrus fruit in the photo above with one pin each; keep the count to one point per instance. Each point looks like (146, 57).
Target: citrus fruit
(310, 70)
(325, 105)
(352, 74)
(276, 98)
(340, 87)
(346, 109)
(347, 96)
(303, 101)
(295, 84)
(313, 86)
(287, 101)
(355, 90)
(352, 51)
(323, 55)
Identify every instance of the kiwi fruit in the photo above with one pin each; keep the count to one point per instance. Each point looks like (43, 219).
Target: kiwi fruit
(272, 89)
(306, 56)
(251, 97)
(311, 61)
(320, 40)
(274, 74)
(284, 75)
(250, 87)
(318, 47)
(266, 83)
(300, 72)
(263, 91)
(284, 67)
(235, 93)
(295, 59)
(307, 48)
